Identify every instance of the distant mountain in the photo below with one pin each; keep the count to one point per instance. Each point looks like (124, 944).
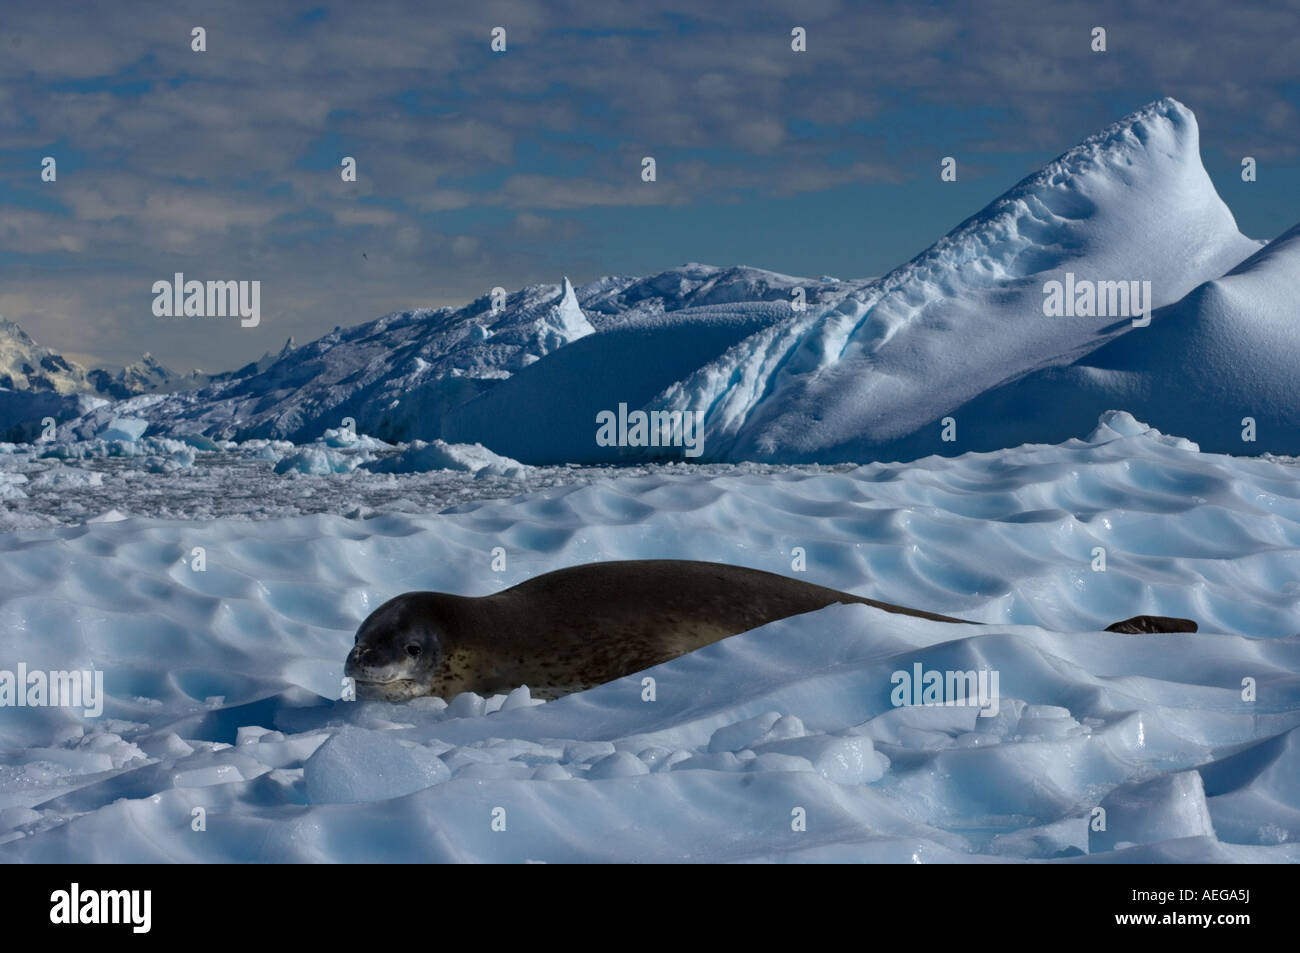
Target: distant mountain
(38, 383)
(142, 377)
(694, 285)
(27, 366)
(401, 375)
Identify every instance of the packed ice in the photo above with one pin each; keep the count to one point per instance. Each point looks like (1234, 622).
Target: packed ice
(222, 686)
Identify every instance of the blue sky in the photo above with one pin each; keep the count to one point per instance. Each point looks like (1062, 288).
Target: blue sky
(479, 169)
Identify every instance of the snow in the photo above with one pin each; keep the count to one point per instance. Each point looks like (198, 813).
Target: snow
(160, 478)
(11, 486)
(563, 324)
(124, 428)
(394, 376)
(317, 460)
(1227, 351)
(60, 477)
(420, 457)
(23, 412)
(349, 438)
(355, 765)
(869, 369)
(398, 377)
(546, 414)
(222, 684)
(214, 572)
(1130, 203)
(27, 366)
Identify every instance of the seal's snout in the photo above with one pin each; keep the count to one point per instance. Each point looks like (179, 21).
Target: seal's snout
(383, 655)
(359, 660)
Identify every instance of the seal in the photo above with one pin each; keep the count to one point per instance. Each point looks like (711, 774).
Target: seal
(575, 628)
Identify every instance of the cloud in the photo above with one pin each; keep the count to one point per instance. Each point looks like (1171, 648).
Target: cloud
(474, 167)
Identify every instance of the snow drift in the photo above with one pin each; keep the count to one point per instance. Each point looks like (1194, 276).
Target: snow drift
(221, 684)
(1226, 352)
(1130, 203)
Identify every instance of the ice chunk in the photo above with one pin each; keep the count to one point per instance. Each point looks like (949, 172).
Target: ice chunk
(358, 765)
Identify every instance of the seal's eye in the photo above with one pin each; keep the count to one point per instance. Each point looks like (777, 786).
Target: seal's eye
(413, 651)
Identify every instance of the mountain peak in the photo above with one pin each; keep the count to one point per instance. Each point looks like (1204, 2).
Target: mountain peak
(1165, 124)
(1165, 107)
(566, 322)
(12, 330)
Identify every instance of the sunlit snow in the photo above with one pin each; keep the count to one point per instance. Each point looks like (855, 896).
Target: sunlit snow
(222, 684)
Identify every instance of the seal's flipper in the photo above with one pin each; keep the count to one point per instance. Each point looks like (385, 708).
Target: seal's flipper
(1143, 624)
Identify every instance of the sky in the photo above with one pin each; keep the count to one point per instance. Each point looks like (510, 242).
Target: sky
(478, 168)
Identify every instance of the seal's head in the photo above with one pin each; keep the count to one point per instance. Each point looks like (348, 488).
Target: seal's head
(399, 648)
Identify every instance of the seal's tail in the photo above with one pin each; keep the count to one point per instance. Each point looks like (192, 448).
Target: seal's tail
(1142, 624)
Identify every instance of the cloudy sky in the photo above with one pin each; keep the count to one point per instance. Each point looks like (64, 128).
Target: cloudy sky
(478, 169)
